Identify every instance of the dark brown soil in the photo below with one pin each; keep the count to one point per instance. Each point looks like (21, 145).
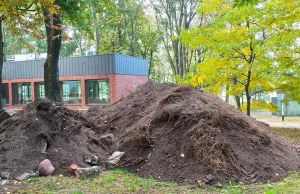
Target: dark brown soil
(177, 133)
(169, 132)
(23, 136)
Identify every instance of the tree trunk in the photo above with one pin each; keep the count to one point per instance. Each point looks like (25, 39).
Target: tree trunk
(238, 102)
(227, 95)
(1, 58)
(248, 97)
(20, 46)
(78, 39)
(51, 71)
(98, 36)
(4, 42)
(150, 63)
(237, 98)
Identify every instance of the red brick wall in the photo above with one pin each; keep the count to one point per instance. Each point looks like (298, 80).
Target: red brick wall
(120, 87)
(126, 84)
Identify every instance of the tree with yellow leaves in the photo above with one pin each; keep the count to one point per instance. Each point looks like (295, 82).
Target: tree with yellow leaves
(249, 48)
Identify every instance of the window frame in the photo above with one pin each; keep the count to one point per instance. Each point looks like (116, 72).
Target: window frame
(87, 92)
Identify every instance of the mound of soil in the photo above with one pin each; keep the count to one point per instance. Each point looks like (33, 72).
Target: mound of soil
(42, 126)
(176, 133)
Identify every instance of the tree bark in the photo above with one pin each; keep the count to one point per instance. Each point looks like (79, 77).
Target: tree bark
(150, 64)
(54, 42)
(78, 39)
(1, 58)
(227, 95)
(248, 96)
(238, 102)
(4, 42)
(237, 98)
(97, 31)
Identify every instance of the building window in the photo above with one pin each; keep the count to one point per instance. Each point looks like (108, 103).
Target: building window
(71, 92)
(39, 90)
(21, 93)
(5, 94)
(97, 91)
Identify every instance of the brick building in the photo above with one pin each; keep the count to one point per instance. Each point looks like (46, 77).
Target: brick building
(85, 81)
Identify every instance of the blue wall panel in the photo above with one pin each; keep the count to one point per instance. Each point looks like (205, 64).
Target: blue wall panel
(77, 66)
(127, 65)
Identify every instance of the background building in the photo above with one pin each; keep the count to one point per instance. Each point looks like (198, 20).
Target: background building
(85, 81)
(290, 108)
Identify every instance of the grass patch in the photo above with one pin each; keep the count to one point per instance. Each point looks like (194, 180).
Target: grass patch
(120, 181)
(291, 133)
(261, 116)
(77, 192)
(273, 118)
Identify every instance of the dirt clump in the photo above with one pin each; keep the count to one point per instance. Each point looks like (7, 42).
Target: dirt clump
(43, 130)
(176, 133)
(169, 132)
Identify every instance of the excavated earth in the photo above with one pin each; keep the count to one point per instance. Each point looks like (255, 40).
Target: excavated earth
(168, 132)
(177, 133)
(43, 130)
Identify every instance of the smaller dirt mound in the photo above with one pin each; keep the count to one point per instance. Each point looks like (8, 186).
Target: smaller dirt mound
(177, 133)
(42, 126)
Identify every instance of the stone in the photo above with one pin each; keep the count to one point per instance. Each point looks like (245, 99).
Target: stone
(88, 172)
(44, 148)
(3, 115)
(4, 175)
(72, 169)
(11, 112)
(219, 185)
(23, 176)
(92, 160)
(3, 182)
(46, 168)
(34, 174)
(199, 183)
(208, 179)
(107, 139)
(114, 159)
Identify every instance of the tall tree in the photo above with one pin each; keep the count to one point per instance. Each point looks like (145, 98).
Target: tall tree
(54, 41)
(97, 8)
(1, 57)
(172, 17)
(20, 13)
(71, 11)
(246, 46)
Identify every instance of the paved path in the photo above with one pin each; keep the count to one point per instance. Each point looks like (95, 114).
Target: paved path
(290, 122)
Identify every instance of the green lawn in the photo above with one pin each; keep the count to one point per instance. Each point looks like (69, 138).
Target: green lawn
(291, 133)
(119, 181)
(287, 119)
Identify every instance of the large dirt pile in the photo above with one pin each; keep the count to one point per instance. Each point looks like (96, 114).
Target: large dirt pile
(62, 134)
(177, 133)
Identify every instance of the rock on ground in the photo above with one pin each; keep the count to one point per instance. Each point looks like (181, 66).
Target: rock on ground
(87, 172)
(46, 168)
(91, 159)
(115, 158)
